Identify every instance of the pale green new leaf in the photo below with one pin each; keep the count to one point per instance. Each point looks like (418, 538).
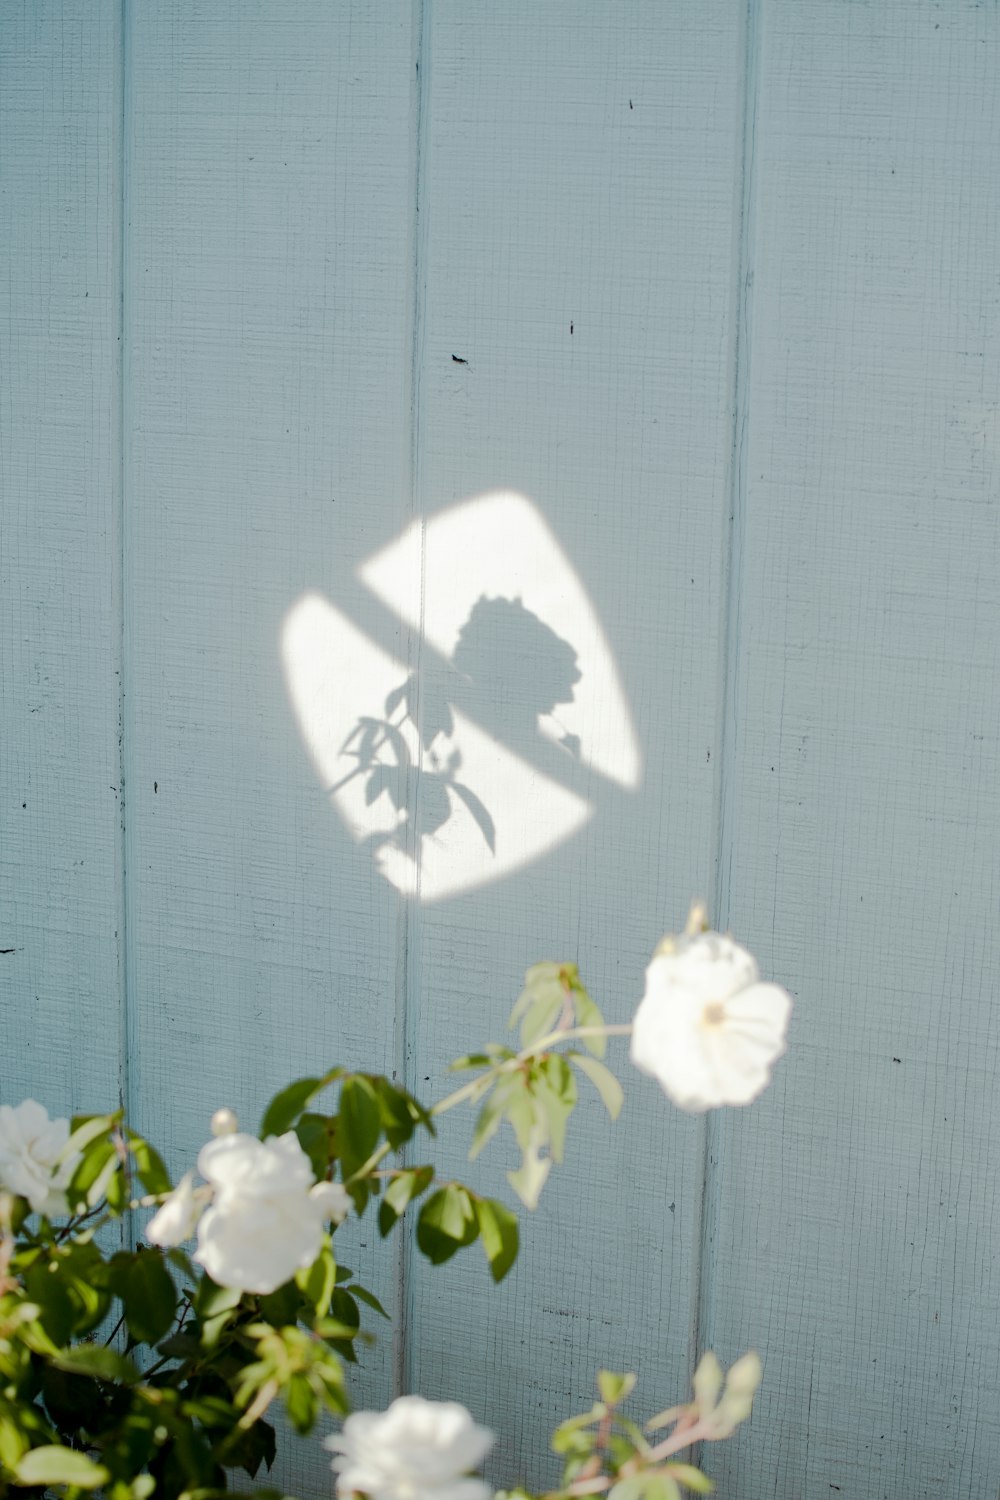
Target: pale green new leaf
(537, 1008)
(530, 1177)
(588, 1014)
(488, 1121)
(540, 1019)
(527, 1116)
(55, 1465)
(554, 1088)
(691, 1478)
(541, 982)
(615, 1388)
(604, 1081)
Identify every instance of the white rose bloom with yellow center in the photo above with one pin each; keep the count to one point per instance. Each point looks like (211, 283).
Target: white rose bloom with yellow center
(707, 1029)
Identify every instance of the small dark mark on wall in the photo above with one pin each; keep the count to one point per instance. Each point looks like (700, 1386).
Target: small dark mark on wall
(8, 950)
(458, 360)
(24, 804)
(630, 104)
(571, 330)
(156, 786)
(897, 1059)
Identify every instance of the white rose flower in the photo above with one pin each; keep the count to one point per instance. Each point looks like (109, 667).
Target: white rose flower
(417, 1450)
(706, 1028)
(31, 1160)
(176, 1219)
(267, 1214)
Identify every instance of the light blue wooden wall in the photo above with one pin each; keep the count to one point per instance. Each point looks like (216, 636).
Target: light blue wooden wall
(726, 286)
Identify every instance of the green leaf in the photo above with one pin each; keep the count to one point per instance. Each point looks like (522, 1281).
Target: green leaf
(12, 1443)
(93, 1172)
(554, 1089)
(72, 1401)
(98, 1362)
(530, 1177)
(360, 1123)
(614, 1388)
(56, 1308)
(286, 1106)
(150, 1298)
(149, 1165)
(446, 1223)
(400, 1113)
(282, 1306)
(317, 1282)
(692, 1478)
(257, 1446)
(55, 1465)
(471, 1060)
(210, 1411)
(588, 1014)
(488, 1121)
(183, 1263)
(345, 1309)
(633, 1488)
(403, 1188)
(499, 1233)
(564, 1439)
(212, 1330)
(300, 1403)
(210, 1299)
(318, 1138)
(370, 1298)
(86, 1130)
(180, 1345)
(542, 984)
(604, 1081)
(118, 1193)
(524, 1112)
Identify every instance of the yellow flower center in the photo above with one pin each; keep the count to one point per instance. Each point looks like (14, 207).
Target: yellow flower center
(714, 1013)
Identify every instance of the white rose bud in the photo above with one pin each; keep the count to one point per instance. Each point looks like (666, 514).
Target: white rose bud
(224, 1122)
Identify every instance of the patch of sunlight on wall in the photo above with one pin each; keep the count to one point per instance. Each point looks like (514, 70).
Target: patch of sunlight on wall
(498, 544)
(438, 780)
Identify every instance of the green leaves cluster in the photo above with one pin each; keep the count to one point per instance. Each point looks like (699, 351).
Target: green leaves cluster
(125, 1369)
(131, 1372)
(535, 1090)
(603, 1444)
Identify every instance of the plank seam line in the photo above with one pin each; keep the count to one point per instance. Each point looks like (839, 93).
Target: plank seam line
(125, 957)
(702, 1332)
(408, 970)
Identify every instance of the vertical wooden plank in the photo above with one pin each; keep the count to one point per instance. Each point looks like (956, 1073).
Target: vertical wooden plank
(579, 177)
(855, 1205)
(60, 876)
(269, 292)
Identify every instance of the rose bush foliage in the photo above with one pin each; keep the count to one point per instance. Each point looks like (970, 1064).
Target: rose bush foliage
(138, 1364)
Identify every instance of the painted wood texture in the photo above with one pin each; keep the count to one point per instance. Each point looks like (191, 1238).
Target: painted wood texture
(61, 873)
(269, 287)
(577, 254)
(488, 346)
(854, 1209)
